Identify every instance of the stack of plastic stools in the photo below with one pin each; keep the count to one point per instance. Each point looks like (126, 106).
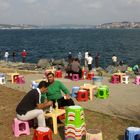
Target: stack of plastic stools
(132, 133)
(58, 74)
(75, 77)
(2, 79)
(42, 133)
(34, 85)
(20, 79)
(74, 123)
(115, 79)
(82, 95)
(74, 92)
(103, 92)
(137, 80)
(125, 79)
(20, 127)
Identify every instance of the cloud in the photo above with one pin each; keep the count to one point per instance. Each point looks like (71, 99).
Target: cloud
(4, 4)
(68, 11)
(30, 1)
(133, 1)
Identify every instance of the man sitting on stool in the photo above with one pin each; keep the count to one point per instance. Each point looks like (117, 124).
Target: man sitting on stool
(30, 106)
(54, 92)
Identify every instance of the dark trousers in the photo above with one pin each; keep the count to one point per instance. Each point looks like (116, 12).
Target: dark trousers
(63, 102)
(89, 67)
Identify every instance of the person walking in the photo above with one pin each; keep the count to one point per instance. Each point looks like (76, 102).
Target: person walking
(23, 54)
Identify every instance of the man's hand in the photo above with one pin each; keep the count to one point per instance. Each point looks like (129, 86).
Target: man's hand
(45, 104)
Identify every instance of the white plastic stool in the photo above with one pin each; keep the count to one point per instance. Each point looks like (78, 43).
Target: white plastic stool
(2, 80)
(125, 79)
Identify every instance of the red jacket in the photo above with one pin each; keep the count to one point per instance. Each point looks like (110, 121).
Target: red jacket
(24, 54)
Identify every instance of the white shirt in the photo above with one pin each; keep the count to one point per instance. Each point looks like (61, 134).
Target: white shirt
(39, 94)
(86, 55)
(6, 54)
(89, 60)
(114, 59)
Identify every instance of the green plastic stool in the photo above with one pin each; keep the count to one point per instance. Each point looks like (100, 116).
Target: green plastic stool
(75, 123)
(103, 92)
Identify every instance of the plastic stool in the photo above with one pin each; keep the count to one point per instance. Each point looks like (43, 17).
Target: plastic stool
(75, 127)
(34, 85)
(94, 134)
(20, 79)
(82, 95)
(125, 79)
(132, 133)
(115, 79)
(15, 77)
(42, 133)
(137, 80)
(74, 92)
(103, 92)
(58, 74)
(20, 127)
(2, 75)
(2, 80)
(90, 76)
(75, 77)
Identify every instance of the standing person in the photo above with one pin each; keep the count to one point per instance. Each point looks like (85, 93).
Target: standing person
(69, 57)
(14, 56)
(86, 56)
(6, 55)
(89, 61)
(30, 106)
(80, 57)
(97, 60)
(114, 60)
(23, 54)
(54, 93)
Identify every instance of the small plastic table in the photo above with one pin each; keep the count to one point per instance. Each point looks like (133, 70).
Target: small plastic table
(54, 114)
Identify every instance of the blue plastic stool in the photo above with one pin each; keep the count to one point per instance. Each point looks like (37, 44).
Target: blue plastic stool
(74, 92)
(34, 85)
(132, 133)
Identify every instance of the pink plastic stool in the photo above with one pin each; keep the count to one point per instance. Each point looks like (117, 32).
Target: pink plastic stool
(20, 127)
(20, 79)
(137, 80)
(115, 79)
(75, 77)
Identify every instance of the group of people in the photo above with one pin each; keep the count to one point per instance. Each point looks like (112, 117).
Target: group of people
(23, 55)
(88, 59)
(31, 106)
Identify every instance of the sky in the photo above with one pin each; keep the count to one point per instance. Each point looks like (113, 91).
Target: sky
(58, 12)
